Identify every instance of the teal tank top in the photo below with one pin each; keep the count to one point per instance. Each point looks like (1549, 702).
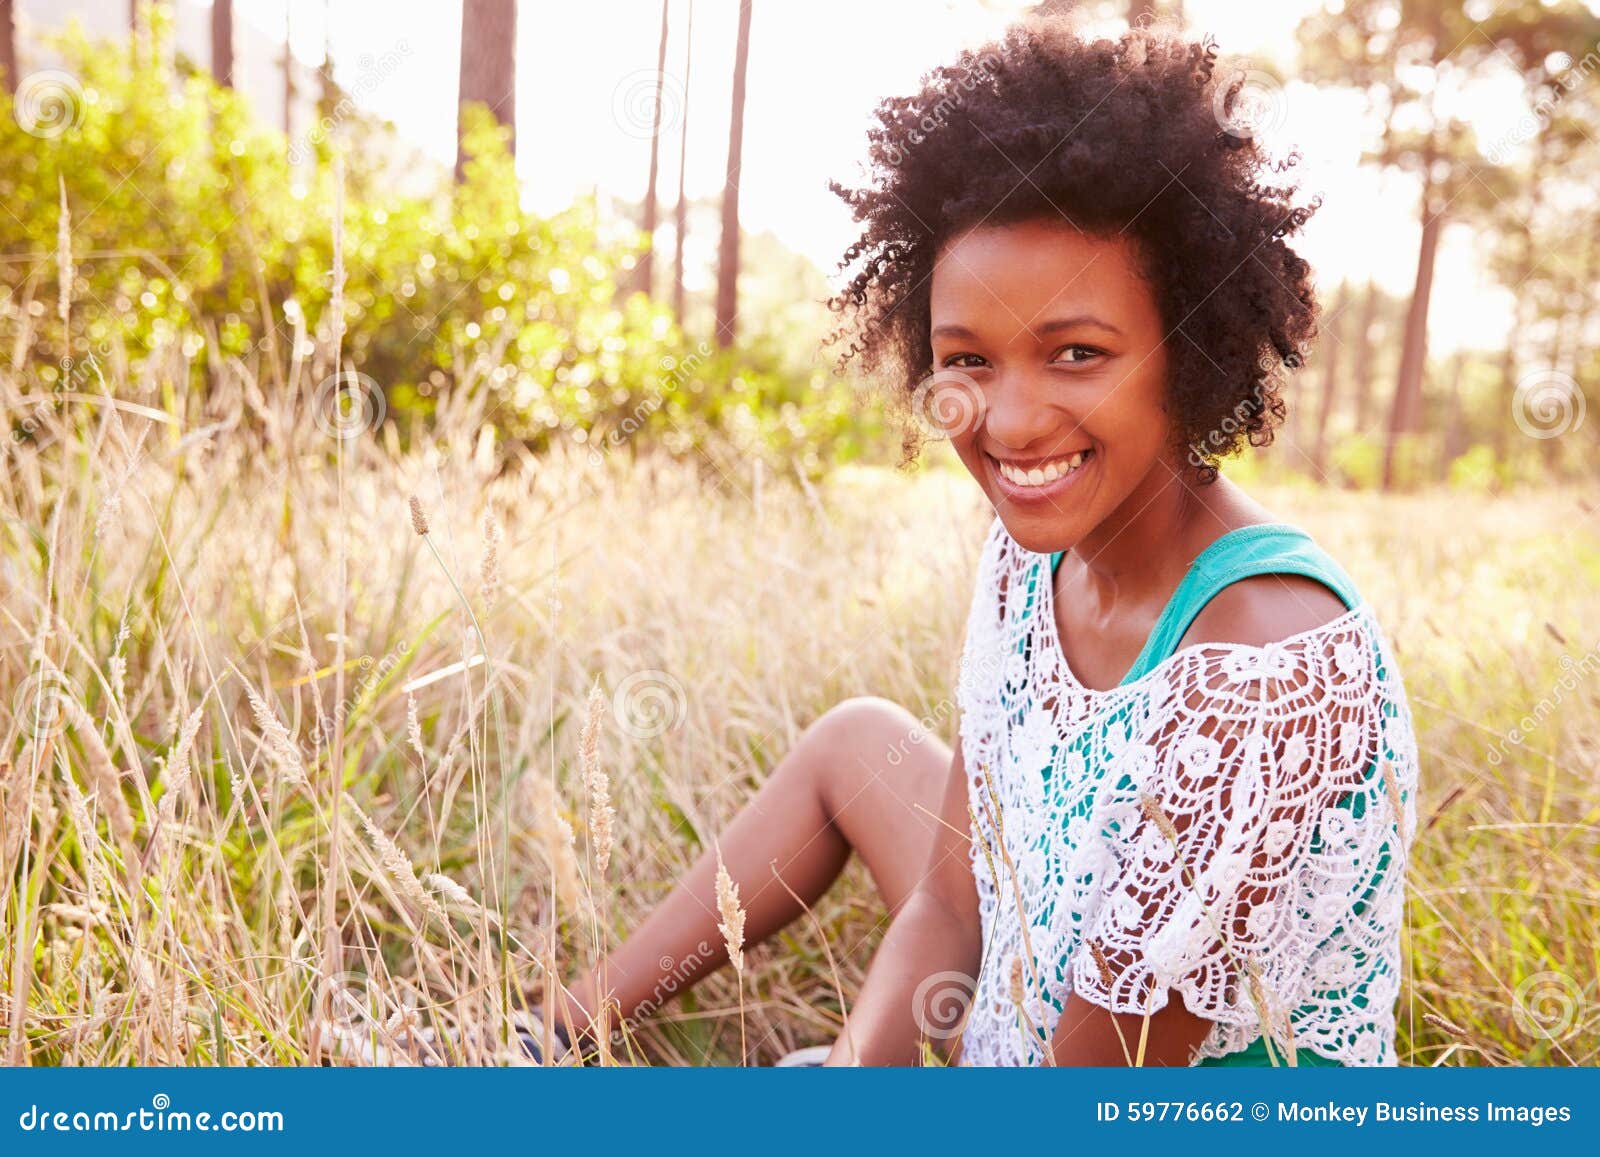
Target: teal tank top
(1269, 548)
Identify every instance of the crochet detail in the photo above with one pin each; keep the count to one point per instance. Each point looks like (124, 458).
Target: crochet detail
(1231, 827)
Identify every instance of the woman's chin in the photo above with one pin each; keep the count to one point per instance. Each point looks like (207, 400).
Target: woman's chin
(1041, 533)
(1043, 528)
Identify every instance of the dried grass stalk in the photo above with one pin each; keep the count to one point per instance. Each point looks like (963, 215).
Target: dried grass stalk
(100, 772)
(553, 834)
(179, 765)
(397, 865)
(489, 573)
(732, 925)
(596, 783)
(277, 741)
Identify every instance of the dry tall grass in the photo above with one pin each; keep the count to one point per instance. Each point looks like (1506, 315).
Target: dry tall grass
(275, 765)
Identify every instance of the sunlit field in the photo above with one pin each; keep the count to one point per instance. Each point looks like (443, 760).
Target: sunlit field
(425, 521)
(246, 817)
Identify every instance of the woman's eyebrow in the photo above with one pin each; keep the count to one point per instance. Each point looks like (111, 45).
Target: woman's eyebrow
(951, 329)
(1073, 322)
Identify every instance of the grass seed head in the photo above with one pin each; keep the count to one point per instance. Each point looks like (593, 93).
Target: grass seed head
(397, 865)
(1156, 814)
(732, 925)
(1102, 965)
(489, 574)
(596, 782)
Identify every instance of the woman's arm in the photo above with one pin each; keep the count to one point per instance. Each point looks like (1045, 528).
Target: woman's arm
(936, 931)
(1087, 1034)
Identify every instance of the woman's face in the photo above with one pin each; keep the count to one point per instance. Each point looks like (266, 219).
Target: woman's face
(1050, 377)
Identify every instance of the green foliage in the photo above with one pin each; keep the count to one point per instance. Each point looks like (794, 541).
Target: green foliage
(1477, 470)
(1358, 460)
(191, 231)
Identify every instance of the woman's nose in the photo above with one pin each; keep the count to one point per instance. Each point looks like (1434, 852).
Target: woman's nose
(1019, 412)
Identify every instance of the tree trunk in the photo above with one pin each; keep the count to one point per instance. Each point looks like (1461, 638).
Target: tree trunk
(8, 44)
(1368, 357)
(1455, 431)
(488, 66)
(327, 89)
(644, 272)
(222, 42)
(1407, 406)
(728, 260)
(1330, 381)
(1569, 350)
(288, 74)
(1508, 378)
(680, 216)
(1519, 307)
(1550, 446)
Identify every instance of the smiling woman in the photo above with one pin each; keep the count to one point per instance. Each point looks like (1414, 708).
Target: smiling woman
(1186, 754)
(1174, 828)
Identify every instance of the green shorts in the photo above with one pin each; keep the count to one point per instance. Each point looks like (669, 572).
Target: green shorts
(1256, 1055)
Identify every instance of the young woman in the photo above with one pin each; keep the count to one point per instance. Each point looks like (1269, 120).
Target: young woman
(1175, 830)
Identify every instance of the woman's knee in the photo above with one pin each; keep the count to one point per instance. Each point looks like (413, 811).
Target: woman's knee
(876, 731)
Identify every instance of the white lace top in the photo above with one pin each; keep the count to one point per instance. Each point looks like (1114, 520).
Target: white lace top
(1232, 827)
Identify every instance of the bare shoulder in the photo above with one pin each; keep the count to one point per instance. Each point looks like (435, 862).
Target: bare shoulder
(1264, 609)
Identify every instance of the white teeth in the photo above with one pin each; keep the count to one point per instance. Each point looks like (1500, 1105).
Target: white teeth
(1042, 475)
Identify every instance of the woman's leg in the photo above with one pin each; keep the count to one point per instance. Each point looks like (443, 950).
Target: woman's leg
(865, 777)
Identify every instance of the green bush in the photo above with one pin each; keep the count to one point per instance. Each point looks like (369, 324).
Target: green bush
(1357, 459)
(191, 231)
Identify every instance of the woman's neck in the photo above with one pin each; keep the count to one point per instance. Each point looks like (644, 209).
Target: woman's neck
(1148, 542)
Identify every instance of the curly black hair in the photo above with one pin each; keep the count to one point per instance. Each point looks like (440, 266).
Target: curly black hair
(1139, 136)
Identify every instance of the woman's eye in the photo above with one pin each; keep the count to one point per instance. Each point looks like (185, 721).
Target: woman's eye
(1074, 354)
(961, 361)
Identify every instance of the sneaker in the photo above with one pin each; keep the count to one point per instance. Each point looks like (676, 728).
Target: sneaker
(807, 1058)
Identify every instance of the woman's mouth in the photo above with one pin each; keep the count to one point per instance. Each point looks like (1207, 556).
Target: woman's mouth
(1040, 480)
